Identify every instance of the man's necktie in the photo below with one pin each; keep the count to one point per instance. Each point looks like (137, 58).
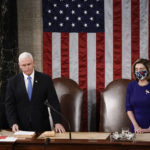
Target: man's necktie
(29, 90)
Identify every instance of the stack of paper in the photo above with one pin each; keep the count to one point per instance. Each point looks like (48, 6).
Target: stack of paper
(24, 134)
(7, 139)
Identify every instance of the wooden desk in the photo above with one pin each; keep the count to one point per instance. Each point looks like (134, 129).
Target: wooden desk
(6, 146)
(74, 144)
(80, 145)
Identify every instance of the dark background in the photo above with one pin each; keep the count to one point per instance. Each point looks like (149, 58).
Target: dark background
(8, 50)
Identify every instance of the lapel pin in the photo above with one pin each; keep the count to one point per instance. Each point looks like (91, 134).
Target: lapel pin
(36, 81)
(147, 91)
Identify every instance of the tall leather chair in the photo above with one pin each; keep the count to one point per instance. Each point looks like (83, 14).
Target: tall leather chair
(71, 100)
(113, 116)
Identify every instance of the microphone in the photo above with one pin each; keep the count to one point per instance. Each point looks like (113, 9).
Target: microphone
(51, 107)
(48, 141)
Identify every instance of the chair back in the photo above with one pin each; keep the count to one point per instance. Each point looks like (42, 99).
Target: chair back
(113, 116)
(71, 100)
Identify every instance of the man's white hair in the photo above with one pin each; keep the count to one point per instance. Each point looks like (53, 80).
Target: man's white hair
(24, 55)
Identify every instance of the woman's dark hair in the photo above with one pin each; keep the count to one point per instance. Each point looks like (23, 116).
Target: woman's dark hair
(146, 63)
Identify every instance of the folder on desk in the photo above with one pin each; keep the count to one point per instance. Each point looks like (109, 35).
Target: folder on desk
(79, 135)
(145, 137)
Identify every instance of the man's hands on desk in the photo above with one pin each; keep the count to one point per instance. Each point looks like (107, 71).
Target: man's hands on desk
(15, 128)
(58, 128)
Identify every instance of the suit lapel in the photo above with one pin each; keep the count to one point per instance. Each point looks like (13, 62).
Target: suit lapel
(35, 86)
(22, 85)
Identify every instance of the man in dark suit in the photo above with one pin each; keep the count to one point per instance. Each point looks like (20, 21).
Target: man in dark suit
(25, 97)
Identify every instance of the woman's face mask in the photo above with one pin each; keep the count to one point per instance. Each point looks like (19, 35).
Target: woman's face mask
(141, 74)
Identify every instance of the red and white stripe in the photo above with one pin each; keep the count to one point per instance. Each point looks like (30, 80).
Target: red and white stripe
(93, 60)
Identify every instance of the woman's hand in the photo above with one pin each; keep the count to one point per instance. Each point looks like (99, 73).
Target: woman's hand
(146, 130)
(138, 129)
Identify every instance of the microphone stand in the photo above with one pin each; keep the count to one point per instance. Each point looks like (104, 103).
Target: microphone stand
(68, 123)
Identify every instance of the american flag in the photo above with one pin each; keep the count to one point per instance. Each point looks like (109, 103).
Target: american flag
(94, 42)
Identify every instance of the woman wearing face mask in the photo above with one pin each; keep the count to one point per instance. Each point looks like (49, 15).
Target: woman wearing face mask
(138, 97)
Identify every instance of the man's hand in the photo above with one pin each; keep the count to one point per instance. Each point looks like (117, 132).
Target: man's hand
(15, 128)
(59, 128)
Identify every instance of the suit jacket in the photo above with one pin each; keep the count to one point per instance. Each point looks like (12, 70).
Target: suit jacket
(26, 113)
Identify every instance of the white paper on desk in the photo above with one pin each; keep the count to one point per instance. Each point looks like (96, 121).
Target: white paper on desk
(24, 133)
(8, 139)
